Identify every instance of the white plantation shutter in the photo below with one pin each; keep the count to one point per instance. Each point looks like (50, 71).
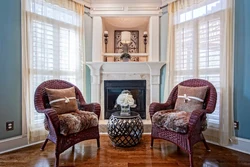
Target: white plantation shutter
(184, 59)
(198, 47)
(55, 48)
(209, 52)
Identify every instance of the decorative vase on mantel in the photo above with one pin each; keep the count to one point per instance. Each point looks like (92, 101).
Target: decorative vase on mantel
(125, 57)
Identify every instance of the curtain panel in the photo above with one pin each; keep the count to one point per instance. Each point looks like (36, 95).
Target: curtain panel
(200, 46)
(53, 48)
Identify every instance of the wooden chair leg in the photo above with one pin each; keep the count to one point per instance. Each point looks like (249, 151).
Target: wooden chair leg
(73, 148)
(98, 142)
(191, 159)
(44, 144)
(206, 145)
(204, 142)
(57, 155)
(190, 152)
(152, 142)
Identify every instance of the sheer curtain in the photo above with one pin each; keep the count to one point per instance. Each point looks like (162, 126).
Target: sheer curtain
(53, 48)
(200, 46)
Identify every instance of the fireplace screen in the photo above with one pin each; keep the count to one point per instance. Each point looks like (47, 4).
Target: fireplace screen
(113, 88)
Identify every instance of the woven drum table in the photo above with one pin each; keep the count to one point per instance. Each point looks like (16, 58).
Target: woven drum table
(125, 130)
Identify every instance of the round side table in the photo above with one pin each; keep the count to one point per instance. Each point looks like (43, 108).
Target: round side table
(125, 130)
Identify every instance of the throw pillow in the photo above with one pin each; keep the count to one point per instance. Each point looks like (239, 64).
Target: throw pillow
(62, 100)
(190, 98)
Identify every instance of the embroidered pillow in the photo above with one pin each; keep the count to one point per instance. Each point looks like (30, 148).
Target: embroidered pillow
(62, 100)
(190, 98)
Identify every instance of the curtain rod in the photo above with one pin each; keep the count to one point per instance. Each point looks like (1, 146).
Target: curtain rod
(164, 6)
(86, 7)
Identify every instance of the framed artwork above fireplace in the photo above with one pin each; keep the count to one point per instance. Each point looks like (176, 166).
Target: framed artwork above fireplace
(133, 46)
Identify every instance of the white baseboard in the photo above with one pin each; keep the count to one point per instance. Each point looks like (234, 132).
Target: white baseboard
(13, 143)
(243, 145)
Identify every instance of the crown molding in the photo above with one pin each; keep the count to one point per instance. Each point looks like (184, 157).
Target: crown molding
(123, 13)
(143, 8)
(108, 8)
(123, 8)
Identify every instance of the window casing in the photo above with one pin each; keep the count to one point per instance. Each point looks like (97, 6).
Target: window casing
(198, 48)
(55, 48)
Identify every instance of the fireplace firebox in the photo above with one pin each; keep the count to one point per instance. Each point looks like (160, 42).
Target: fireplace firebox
(113, 88)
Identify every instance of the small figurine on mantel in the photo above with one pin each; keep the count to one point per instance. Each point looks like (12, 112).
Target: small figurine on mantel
(125, 57)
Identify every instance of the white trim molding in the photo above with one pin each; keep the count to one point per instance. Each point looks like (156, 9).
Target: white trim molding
(108, 8)
(110, 13)
(133, 8)
(13, 143)
(241, 145)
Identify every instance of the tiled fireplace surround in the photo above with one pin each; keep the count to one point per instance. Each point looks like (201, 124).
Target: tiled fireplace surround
(149, 71)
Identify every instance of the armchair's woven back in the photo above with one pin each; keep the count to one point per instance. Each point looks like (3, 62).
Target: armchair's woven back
(41, 98)
(211, 96)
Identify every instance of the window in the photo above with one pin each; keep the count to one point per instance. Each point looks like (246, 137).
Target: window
(55, 47)
(198, 47)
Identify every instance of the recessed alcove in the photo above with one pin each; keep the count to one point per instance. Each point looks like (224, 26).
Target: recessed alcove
(113, 47)
(104, 47)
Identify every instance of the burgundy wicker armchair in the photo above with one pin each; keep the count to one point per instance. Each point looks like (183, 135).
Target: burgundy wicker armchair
(63, 142)
(194, 133)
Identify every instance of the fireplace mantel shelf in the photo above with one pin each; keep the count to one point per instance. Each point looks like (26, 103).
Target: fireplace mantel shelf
(119, 54)
(152, 68)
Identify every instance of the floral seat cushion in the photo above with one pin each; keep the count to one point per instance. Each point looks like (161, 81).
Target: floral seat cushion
(173, 120)
(74, 122)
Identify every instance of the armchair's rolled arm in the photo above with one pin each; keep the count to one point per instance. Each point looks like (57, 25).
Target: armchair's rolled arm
(53, 120)
(195, 121)
(93, 107)
(154, 107)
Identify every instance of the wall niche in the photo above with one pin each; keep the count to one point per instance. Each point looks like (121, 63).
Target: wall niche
(113, 48)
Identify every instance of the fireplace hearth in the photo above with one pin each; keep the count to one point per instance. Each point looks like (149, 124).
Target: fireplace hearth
(113, 88)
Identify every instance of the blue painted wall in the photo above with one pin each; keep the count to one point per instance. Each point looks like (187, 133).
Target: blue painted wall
(10, 67)
(242, 68)
(88, 25)
(163, 50)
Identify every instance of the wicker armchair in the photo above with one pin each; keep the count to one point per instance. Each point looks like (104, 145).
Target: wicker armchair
(194, 133)
(63, 142)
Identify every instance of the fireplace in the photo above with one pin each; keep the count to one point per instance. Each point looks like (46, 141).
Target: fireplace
(113, 88)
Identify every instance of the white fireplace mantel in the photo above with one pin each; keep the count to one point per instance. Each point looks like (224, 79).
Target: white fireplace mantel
(100, 71)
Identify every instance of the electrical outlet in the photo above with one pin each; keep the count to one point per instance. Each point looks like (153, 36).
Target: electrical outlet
(236, 125)
(10, 125)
